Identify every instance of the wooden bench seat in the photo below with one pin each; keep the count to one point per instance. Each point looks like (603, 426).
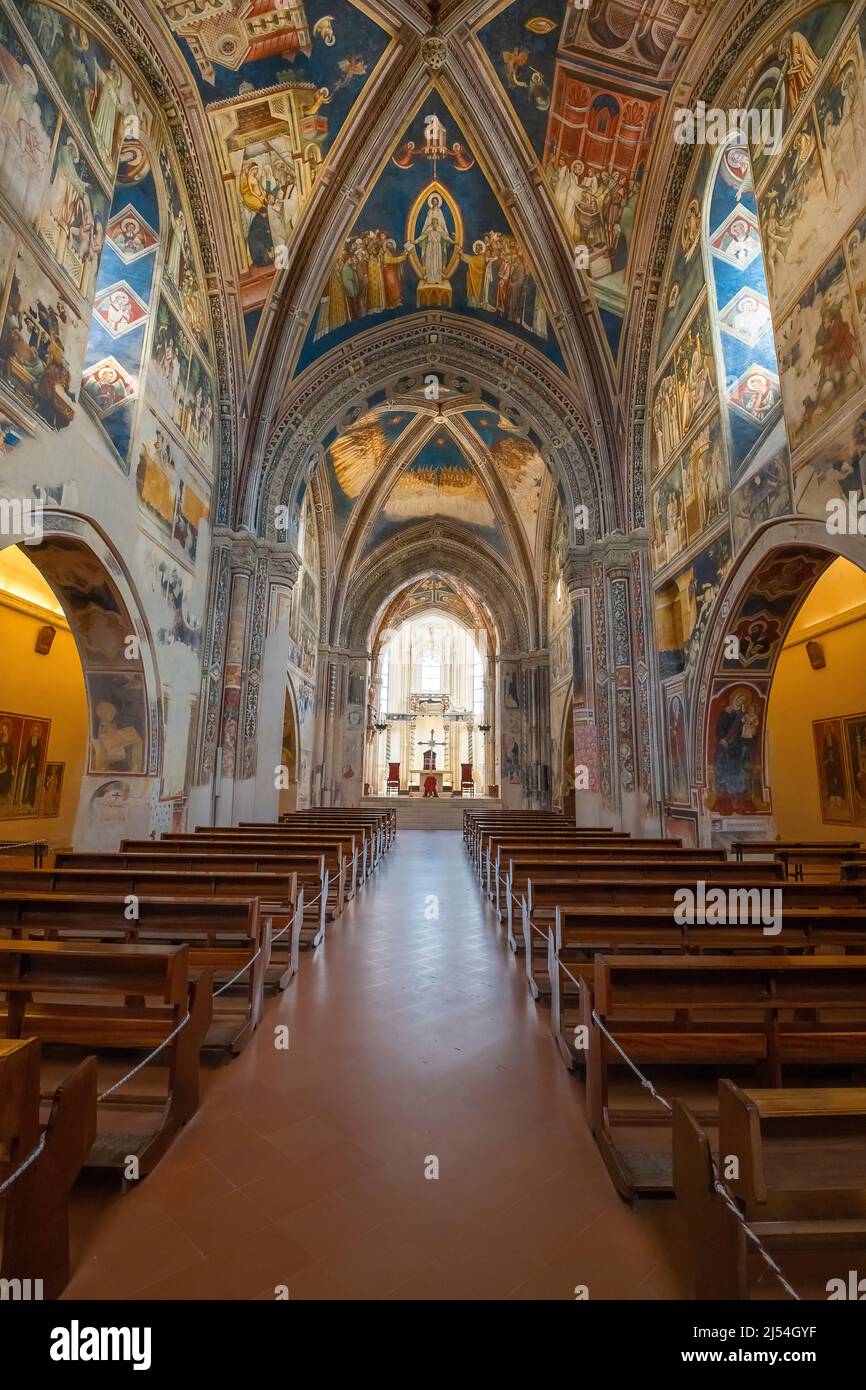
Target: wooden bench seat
(34, 1211)
(222, 935)
(281, 899)
(337, 852)
(496, 849)
(292, 888)
(581, 933)
(359, 836)
(78, 995)
(491, 840)
(675, 1016)
(539, 882)
(800, 1180)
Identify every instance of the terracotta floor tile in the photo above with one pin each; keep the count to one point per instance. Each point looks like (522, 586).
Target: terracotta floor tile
(305, 1167)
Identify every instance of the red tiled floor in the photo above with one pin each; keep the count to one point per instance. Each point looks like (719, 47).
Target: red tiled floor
(410, 1040)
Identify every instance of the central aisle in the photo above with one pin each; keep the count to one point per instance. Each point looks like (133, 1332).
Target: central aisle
(412, 1037)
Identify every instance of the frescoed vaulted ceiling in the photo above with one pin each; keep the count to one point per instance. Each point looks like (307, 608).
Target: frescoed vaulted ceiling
(394, 470)
(282, 82)
(363, 165)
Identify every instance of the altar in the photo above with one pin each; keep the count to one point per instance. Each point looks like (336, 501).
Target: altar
(421, 776)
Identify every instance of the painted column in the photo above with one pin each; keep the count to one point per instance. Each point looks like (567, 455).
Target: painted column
(245, 665)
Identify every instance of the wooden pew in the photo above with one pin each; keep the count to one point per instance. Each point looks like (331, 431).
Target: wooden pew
(540, 896)
(311, 866)
(475, 822)
(489, 837)
(382, 825)
(801, 1182)
(383, 820)
(538, 878)
(222, 935)
(830, 855)
(638, 886)
(683, 1014)
(497, 847)
(80, 995)
(337, 850)
(34, 1213)
(289, 888)
(365, 837)
(582, 933)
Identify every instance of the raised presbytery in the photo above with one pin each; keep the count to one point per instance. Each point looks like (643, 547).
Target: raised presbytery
(433, 617)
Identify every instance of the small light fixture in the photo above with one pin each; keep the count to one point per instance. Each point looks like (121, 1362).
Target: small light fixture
(484, 728)
(44, 639)
(815, 653)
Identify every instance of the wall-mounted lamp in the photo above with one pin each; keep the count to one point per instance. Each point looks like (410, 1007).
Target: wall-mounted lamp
(815, 653)
(484, 728)
(380, 728)
(44, 639)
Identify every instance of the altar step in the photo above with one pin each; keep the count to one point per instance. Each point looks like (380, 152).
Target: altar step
(432, 813)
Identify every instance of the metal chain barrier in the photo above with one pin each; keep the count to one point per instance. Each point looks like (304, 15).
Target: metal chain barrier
(718, 1185)
(31, 1158)
(144, 1061)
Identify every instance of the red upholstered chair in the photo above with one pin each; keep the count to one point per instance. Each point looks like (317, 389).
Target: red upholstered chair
(466, 782)
(393, 779)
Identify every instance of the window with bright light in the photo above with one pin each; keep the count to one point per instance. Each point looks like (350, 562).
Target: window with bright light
(431, 676)
(383, 689)
(477, 686)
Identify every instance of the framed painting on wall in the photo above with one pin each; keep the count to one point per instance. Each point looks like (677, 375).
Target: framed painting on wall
(23, 746)
(834, 787)
(855, 737)
(52, 790)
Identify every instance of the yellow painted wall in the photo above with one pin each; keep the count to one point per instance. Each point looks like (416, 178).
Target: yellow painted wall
(50, 687)
(834, 614)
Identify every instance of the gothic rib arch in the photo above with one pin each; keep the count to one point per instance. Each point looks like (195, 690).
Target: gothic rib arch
(440, 548)
(131, 30)
(715, 69)
(365, 144)
(400, 456)
(388, 363)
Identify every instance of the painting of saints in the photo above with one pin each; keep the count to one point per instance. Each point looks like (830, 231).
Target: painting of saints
(26, 129)
(28, 777)
(856, 731)
(392, 274)
(800, 65)
(105, 115)
(679, 780)
(52, 789)
(10, 733)
(833, 787)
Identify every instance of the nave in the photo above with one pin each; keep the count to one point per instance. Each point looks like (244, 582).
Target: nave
(410, 1037)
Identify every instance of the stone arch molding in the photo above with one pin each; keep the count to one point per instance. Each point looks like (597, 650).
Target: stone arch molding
(411, 557)
(788, 535)
(374, 366)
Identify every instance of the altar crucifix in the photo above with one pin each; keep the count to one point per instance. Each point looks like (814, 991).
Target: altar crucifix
(430, 751)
